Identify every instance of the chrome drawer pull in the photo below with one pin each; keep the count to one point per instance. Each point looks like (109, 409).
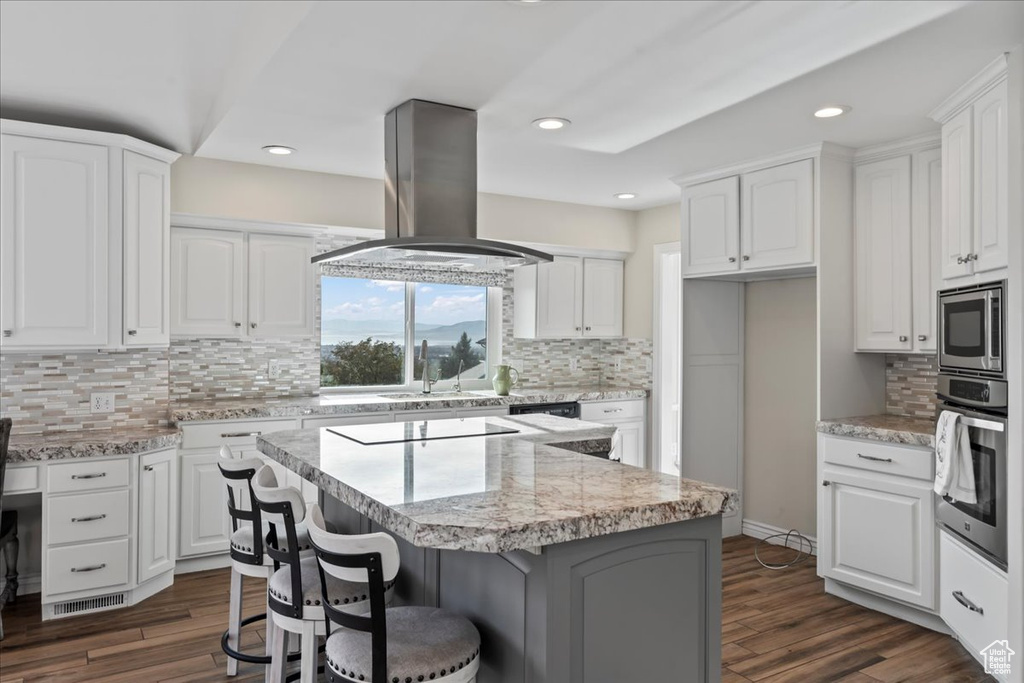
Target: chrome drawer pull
(613, 410)
(96, 475)
(93, 568)
(91, 518)
(148, 468)
(237, 435)
(874, 458)
(967, 603)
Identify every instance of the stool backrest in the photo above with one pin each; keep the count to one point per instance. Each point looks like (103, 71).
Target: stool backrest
(238, 474)
(5, 440)
(282, 507)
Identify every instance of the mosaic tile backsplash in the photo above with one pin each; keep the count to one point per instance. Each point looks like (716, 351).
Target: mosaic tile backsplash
(910, 382)
(51, 392)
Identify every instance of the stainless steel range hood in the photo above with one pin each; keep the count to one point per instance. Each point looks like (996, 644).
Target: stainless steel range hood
(430, 196)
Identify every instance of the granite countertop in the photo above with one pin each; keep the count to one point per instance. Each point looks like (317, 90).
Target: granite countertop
(496, 493)
(342, 404)
(91, 443)
(898, 429)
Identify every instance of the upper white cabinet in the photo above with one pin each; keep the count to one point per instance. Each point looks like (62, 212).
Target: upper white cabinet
(228, 284)
(926, 251)
(975, 179)
(761, 220)
(83, 239)
(569, 297)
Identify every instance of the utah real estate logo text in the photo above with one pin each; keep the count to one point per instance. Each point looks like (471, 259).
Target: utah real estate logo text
(997, 657)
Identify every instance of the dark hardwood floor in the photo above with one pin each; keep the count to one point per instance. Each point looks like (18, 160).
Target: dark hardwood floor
(777, 626)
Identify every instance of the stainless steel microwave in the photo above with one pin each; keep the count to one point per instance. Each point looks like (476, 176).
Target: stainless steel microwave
(971, 329)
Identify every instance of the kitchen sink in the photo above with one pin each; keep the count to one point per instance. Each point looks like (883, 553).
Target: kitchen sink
(433, 394)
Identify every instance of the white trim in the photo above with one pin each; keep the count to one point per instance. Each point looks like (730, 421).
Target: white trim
(760, 530)
(821, 149)
(895, 148)
(91, 137)
(569, 250)
(994, 73)
(187, 565)
(656, 399)
(192, 220)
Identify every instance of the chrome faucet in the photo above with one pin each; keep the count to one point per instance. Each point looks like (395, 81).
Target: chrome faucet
(457, 387)
(427, 382)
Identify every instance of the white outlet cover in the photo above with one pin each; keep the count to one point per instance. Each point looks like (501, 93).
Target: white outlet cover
(574, 364)
(273, 369)
(618, 364)
(101, 403)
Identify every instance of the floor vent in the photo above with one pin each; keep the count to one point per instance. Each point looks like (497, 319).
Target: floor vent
(99, 603)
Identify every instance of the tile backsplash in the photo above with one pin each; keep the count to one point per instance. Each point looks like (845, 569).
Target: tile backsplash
(910, 382)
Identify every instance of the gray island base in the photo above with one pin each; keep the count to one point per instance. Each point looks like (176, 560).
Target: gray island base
(575, 569)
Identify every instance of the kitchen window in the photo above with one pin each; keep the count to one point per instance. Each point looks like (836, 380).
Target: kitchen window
(371, 332)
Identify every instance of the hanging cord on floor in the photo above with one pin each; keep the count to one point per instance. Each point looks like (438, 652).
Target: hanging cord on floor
(801, 553)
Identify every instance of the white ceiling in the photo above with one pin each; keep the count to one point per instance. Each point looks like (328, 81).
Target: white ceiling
(654, 89)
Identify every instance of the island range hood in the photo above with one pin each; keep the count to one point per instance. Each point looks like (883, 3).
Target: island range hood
(430, 197)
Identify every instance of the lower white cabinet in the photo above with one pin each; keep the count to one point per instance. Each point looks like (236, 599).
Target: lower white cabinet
(876, 529)
(158, 508)
(629, 418)
(973, 595)
(203, 525)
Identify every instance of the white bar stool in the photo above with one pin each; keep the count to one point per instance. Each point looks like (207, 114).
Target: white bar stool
(392, 644)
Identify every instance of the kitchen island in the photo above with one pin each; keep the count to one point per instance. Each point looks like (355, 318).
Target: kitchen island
(573, 567)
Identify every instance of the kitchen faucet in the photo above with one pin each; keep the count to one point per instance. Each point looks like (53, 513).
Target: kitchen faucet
(427, 382)
(457, 387)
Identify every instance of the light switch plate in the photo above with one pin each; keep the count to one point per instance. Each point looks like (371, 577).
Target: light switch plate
(618, 364)
(574, 365)
(101, 403)
(273, 369)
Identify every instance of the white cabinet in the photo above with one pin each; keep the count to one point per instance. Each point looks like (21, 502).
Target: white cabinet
(973, 595)
(758, 221)
(54, 234)
(711, 226)
(777, 216)
(225, 283)
(975, 175)
(926, 252)
(147, 272)
(568, 298)
(876, 529)
(629, 418)
(158, 513)
(203, 524)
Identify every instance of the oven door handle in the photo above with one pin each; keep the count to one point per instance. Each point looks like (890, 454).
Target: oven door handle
(990, 425)
(987, 322)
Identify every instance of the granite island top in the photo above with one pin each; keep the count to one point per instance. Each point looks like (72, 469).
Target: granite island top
(496, 493)
(343, 404)
(90, 443)
(897, 429)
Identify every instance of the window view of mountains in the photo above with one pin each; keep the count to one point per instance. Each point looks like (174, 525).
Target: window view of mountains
(339, 330)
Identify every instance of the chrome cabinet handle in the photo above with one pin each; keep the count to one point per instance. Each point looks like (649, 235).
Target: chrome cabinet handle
(826, 483)
(132, 333)
(960, 259)
(588, 328)
(732, 259)
(252, 325)
(873, 458)
(903, 337)
(238, 324)
(8, 333)
(148, 468)
(95, 475)
(91, 518)
(746, 258)
(922, 337)
(236, 435)
(577, 329)
(613, 410)
(959, 596)
(93, 568)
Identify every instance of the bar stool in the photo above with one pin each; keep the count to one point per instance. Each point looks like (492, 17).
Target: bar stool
(393, 644)
(294, 595)
(247, 554)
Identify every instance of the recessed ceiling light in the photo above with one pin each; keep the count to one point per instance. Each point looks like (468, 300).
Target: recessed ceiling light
(280, 150)
(831, 110)
(551, 123)
(626, 195)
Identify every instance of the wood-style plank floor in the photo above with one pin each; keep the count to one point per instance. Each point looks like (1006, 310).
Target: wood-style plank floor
(777, 626)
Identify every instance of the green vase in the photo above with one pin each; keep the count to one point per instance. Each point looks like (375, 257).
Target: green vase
(505, 377)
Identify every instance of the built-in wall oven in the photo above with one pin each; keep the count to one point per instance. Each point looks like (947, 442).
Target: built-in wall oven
(971, 329)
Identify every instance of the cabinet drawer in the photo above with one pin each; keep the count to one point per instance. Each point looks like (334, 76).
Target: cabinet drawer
(338, 420)
(18, 479)
(84, 567)
(86, 517)
(603, 411)
(902, 461)
(216, 434)
(87, 475)
(965, 580)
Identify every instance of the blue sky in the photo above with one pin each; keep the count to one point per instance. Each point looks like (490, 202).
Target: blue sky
(350, 299)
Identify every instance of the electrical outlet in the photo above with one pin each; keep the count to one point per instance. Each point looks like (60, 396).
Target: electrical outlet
(273, 369)
(618, 364)
(574, 365)
(101, 403)
(648, 365)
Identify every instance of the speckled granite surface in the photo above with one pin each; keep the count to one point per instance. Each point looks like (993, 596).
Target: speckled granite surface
(91, 443)
(496, 493)
(914, 431)
(337, 404)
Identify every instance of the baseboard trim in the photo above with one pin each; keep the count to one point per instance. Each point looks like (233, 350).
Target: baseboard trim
(762, 531)
(201, 564)
(27, 584)
(893, 608)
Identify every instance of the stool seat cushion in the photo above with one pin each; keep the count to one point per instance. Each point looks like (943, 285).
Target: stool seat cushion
(424, 644)
(340, 592)
(241, 539)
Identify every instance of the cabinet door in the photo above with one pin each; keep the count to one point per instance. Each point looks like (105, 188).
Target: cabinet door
(631, 443)
(602, 297)
(204, 526)
(157, 513)
(926, 238)
(207, 283)
(956, 196)
(878, 533)
(560, 298)
(882, 227)
(991, 180)
(281, 286)
(777, 216)
(54, 232)
(147, 254)
(711, 227)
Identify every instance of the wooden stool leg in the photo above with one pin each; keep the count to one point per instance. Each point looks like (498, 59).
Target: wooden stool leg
(234, 619)
(309, 647)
